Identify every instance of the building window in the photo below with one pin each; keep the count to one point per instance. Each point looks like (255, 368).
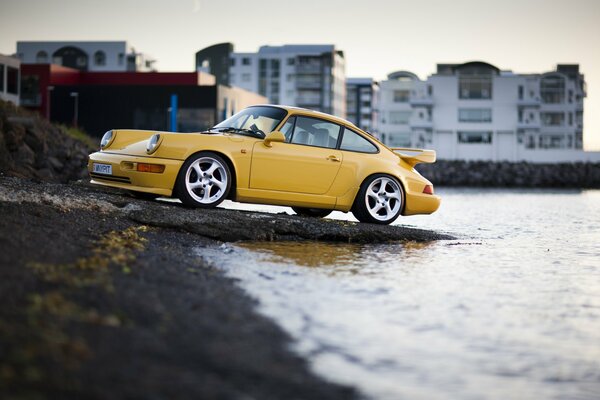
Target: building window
(12, 80)
(121, 58)
(475, 137)
(399, 117)
(571, 118)
(30, 91)
(232, 62)
(290, 77)
(246, 61)
(400, 139)
(232, 78)
(401, 96)
(100, 58)
(429, 90)
(552, 142)
(520, 92)
(552, 89)
(41, 57)
(475, 115)
(475, 87)
(1, 78)
(246, 77)
(475, 83)
(291, 61)
(552, 118)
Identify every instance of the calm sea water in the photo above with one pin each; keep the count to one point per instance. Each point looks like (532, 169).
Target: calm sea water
(510, 310)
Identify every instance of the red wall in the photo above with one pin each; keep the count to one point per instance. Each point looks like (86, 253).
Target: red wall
(56, 75)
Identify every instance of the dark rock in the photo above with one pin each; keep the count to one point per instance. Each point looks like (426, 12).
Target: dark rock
(54, 163)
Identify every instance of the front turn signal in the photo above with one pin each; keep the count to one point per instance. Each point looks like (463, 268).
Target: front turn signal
(155, 168)
(428, 189)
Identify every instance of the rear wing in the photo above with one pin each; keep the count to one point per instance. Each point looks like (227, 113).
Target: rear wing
(415, 156)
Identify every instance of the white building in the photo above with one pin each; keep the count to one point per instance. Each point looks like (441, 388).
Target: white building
(362, 95)
(86, 55)
(474, 111)
(309, 76)
(10, 79)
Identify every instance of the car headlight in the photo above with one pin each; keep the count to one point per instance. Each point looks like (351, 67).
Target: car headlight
(106, 139)
(153, 143)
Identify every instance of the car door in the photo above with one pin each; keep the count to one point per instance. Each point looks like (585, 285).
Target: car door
(307, 162)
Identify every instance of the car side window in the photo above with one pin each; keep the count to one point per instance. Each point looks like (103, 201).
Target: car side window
(316, 132)
(287, 128)
(352, 141)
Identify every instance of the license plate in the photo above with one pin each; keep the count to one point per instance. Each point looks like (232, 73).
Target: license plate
(105, 169)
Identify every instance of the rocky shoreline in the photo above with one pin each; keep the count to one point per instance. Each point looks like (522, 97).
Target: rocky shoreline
(101, 296)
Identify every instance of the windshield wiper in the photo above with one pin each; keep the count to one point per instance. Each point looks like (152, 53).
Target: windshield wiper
(238, 130)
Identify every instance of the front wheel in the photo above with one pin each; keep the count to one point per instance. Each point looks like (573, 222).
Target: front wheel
(311, 212)
(379, 200)
(204, 181)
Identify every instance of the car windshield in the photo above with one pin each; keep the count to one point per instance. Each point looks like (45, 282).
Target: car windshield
(254, 121)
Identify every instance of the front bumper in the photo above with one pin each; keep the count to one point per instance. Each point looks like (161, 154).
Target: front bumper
(125, 176)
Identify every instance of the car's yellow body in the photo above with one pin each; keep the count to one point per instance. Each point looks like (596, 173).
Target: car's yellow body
(277, 173)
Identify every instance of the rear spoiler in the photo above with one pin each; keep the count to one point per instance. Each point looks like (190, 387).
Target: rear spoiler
(414, 156)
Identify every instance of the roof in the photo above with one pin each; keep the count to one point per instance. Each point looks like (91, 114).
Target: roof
(306, 111)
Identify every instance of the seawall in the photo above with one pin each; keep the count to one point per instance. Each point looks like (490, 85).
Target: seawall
(512, 174)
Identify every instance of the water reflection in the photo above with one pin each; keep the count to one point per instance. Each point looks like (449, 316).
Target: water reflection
(334, 257)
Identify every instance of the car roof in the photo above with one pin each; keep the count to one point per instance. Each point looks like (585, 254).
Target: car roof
(306, 111)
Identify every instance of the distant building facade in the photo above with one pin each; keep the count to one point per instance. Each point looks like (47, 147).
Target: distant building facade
(215, 60)
(362, 95)
(309, 76)
(101, 56)
(98, 101)
(475, 111)
(10, 79)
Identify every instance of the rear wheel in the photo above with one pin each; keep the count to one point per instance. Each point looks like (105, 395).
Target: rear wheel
(311, 212)
(204, 181)
(379, 200)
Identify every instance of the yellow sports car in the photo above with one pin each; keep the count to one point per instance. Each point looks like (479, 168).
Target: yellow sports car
(280, 155)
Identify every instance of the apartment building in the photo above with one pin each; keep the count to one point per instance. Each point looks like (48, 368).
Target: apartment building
(362, 95)
(309, 76)
(475, 111)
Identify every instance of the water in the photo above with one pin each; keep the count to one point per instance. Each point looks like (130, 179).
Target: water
(509, 310)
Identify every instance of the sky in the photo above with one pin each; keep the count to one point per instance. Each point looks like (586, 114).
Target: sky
(377, 36)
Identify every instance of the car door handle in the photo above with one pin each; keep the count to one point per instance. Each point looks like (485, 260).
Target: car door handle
(333, 158)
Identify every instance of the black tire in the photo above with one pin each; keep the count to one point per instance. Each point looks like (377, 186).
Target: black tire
(188, 177)
(144, 195)
(365, 205)
(312, 212)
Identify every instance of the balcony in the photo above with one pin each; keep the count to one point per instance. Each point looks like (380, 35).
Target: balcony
(308, 68)
(531, 102)
(527, 124)
(307, 84)
(421, 123)
(421, 101)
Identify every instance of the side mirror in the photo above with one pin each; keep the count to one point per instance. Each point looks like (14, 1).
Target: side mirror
(274, 136)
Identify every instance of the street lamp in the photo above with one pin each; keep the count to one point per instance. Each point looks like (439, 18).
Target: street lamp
(76, 110)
